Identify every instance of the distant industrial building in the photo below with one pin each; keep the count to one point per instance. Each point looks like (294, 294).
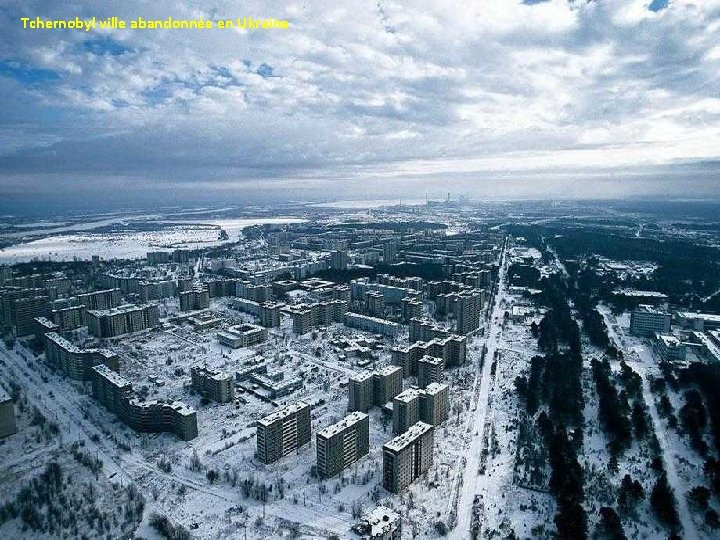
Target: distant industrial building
(107, 323)
(646, 321)
(212, 384)
(407, 457)
(283, 431)
(116, 393)
(342, 444)
(242, 335)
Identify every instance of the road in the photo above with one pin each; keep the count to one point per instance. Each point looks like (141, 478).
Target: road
(471, 485)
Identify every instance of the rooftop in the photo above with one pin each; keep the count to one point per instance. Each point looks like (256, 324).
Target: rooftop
(350, 420)
(413, 433)
(279, 414)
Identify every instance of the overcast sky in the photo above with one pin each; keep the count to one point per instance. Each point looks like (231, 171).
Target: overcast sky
(359, 99)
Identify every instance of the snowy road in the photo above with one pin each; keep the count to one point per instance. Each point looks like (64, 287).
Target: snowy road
(471, 485)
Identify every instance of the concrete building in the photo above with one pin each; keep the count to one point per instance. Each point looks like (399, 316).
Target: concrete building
(435, 404)
(307, 316)
(69, 318)
(26, 310)
(689, 320)
(372, 324)
(451, 349)
(407, 457)
(374, 303)
(256, 293)
(212, 384)
(387, 383)
(389, 252)
(670, 348)
(380, 523)
(406, 409)
(44, 326)
(339, 259)
(430, 370)
(116, 393)
(361, 390)
(8, 426)
(267, 312)
(242, 335)
(411, 308)
(76, 363)
(106, 323)
(283, 431)
(105, 299)
(646, 321)
(342, 444)
(194, 299)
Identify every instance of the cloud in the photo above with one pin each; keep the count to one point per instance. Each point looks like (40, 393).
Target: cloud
(376, 89)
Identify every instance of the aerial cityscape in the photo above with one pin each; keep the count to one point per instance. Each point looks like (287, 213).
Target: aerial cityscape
(360, 270)
(453, 368)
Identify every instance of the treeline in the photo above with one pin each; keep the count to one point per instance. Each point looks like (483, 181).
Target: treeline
(555, 382)
(613, 409)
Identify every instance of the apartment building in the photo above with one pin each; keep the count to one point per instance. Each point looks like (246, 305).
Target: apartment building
(194, 299)
(307, 316)
(75, 362)
(283, 431)
(8, 426)
(105, 299)
(435, 404)
(107, 323)
(342, 444)
(361, 391)
(212, 384)
(406, 409)
(387, 383)
(374, 325)
(430, 370)
(69, 318)
(407, 457)
(116, 393)
(452, 350)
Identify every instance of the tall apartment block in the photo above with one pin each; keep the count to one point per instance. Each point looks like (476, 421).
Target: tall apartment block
(374, 303)
(411, 308)
(105, 299)
(213, 384)
(407, 457)
(376, 325)
(342, 444)
(8, 425)
(435, 404)
(268, 312)
(339, 259)
(106, 323)
(387, 383)
(75, 362)
(283, 431)
(451, 349)
(406, 410)
(256, 293)
(361, 390)
(430, 370)
(69, 318)
(194, 299)
(116, 393)
(25, 310)
(468, 310)
(307, 316)
(646, 321)
(389, 252)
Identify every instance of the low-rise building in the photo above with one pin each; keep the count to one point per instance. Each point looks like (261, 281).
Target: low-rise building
(242, 335)
(380, 523)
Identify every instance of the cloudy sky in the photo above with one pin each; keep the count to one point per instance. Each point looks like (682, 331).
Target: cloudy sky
(363, 99)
